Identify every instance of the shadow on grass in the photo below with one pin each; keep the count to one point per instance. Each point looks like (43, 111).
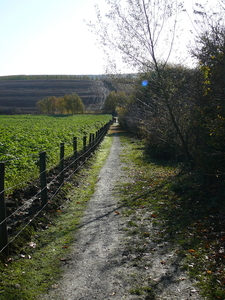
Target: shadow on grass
(192, 218)
(115, 129)
(190, 214)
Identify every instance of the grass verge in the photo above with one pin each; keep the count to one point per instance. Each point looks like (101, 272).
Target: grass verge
(182, 211)
(36, 266)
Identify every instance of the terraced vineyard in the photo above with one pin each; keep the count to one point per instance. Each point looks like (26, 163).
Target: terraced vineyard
(20, 96)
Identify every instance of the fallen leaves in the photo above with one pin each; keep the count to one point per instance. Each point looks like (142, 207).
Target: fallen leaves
(182, 278)
(64, 259)
(191, 251)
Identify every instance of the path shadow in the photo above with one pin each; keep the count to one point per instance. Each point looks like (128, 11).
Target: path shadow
(115, 128)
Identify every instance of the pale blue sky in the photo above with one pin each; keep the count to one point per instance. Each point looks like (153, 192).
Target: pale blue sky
(50, 37)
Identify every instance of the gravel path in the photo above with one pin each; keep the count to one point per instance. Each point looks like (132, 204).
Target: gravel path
(104, 263)
(94, 270)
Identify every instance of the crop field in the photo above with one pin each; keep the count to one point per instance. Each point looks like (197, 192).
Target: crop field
(23, 137)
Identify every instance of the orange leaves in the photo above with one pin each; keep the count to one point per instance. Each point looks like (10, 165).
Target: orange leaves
(117, 212)
(191, 251)
(154, 216)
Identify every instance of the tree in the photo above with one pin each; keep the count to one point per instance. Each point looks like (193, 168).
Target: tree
(210, 116)
(70, 104)
(113, 101)
(60, 105)
(147, 114)
(73, 104)
(143, 33)
(211, 57)
(47, 105)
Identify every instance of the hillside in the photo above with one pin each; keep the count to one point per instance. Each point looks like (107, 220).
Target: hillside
(20, 96)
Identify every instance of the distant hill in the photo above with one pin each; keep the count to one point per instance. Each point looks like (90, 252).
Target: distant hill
(21, 95)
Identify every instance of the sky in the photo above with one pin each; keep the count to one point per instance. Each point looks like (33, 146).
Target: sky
(48, 37)
(39, 37)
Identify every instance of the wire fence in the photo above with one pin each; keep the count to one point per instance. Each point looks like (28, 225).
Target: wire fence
(55, 178)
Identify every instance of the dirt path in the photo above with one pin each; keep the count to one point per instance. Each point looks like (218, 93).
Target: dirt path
(104, 264)
(94, 270)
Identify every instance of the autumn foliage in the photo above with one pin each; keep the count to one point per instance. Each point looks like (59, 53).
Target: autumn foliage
(180, 112)
(68, 104)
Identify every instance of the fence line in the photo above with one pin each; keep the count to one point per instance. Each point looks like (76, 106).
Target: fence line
(33, 159)
(78, 160)
(34, 154)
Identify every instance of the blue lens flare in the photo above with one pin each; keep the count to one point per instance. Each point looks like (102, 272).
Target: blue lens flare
(144, 83)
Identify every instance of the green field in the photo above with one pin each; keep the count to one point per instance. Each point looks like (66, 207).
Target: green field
(23, 137)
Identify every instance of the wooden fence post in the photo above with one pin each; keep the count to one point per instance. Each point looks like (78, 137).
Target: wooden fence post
(3, 227)
(84, 147)
(90, 137)
(43, 179)
(75, 152)
(90, 150)
(61, 163)
(98, 135)
(92, 141)
(96, 140)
